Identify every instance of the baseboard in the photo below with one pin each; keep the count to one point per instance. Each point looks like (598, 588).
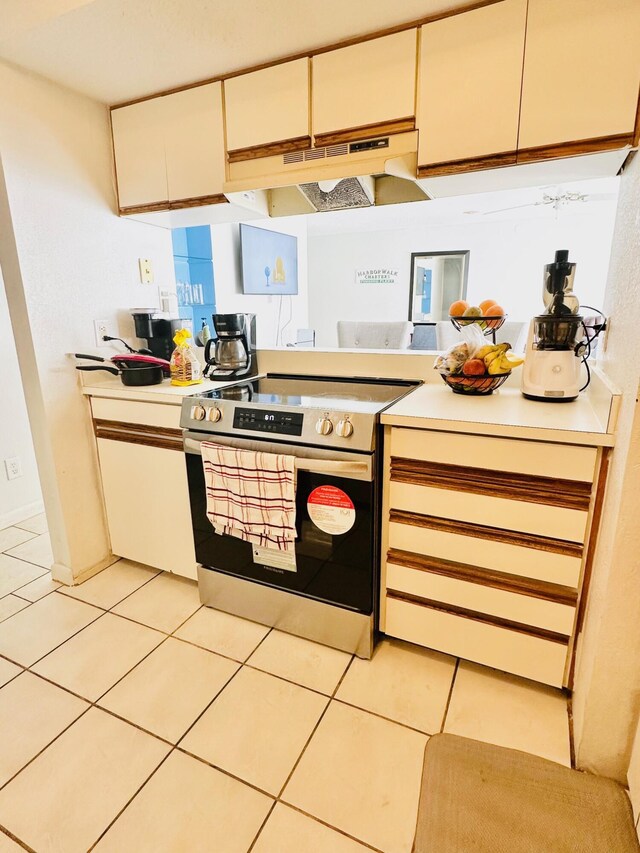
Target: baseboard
(21, 514)
(63, 574)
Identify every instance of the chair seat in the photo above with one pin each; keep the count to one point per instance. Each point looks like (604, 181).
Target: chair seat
(480, 798)
(365, 335)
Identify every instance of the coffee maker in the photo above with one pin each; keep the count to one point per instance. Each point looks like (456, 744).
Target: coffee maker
(158, 331)
(556, 345)
(234, 348)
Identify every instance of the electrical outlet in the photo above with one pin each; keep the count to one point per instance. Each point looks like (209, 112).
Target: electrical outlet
(100, 329)
(146, 270)
(13, 468)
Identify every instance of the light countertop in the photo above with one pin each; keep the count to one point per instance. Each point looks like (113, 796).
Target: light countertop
(164, 393)
(588, 420)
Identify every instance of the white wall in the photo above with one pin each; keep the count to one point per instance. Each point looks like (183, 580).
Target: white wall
(67, 259)
(277, 318)
(606, 700)
(19, 498)
(505, 263)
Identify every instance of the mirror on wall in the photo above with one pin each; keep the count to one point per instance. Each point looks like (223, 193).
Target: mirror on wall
(437, 280)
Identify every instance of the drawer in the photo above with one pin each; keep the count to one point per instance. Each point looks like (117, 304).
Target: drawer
(516, 607)
(558, 461)
(133, 412)
(511, 651)
(542, 558)
(484, 509)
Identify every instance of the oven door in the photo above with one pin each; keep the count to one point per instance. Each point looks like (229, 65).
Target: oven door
(335, 555)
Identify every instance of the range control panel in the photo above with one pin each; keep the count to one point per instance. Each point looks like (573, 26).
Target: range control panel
(263, 420)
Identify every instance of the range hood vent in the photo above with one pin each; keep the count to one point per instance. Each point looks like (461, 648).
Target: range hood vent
(315, 154)
(344, 195)
(340, 176)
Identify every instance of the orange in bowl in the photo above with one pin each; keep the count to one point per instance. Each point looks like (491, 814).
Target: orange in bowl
(485, 305)
(494, 311)
(457, 309)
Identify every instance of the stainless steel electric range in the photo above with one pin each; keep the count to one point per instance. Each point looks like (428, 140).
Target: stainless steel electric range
(328, 590)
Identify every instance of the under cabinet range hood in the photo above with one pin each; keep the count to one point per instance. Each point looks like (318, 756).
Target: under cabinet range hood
(369, 172)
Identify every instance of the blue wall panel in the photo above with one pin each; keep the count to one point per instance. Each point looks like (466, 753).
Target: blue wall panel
(195, 284)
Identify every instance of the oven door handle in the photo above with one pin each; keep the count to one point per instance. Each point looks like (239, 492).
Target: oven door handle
(358, 468)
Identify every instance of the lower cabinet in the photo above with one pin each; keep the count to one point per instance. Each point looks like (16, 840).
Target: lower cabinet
(486, 547)
(146, 496)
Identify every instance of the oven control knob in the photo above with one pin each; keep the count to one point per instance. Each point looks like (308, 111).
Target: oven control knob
(197, 413)
(324, 426)
(344, 428)
(214, 415)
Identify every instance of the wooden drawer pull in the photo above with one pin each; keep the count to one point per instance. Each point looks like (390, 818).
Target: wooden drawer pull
(269, 149)
(545, 590)
(483, 531)
(569, 494)
(463, 612)
(365, 131)
(149, 436)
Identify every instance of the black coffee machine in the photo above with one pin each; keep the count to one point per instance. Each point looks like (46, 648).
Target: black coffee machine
(158, 332)
(234, 348)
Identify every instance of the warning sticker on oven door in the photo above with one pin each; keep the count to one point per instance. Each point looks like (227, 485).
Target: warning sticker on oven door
(275, 559)
(331, 510)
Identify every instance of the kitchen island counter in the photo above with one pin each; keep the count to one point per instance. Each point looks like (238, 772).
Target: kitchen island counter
(589, 420)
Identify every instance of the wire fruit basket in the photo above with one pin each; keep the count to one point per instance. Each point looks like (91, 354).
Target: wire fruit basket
(489, 325)
(475, 385)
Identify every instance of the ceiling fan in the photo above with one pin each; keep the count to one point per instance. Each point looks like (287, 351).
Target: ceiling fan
(555, 198)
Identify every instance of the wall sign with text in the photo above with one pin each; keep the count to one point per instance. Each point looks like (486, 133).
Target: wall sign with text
(377, 275)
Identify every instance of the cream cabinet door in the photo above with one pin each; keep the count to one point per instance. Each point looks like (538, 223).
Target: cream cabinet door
(194, 142)
(146, 499)
(139, 150)
(581, 71)
(370, 83)
(267, 106)
(469, 84)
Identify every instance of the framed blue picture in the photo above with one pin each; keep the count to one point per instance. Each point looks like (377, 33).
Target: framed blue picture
(269, 261)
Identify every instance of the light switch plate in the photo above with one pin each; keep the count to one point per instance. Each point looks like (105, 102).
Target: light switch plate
(146, 270)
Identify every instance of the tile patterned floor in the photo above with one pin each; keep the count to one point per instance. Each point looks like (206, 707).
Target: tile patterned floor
(173, 727)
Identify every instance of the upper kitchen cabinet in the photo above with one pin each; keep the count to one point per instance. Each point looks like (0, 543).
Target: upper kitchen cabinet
(194, 143)
(169, 150)
(138, 146)
(470, 76)
(581, 76)
(267, 111)
(365, 89)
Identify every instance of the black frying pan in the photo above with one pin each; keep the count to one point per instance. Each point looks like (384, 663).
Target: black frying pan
(135, 376)
(135, 360)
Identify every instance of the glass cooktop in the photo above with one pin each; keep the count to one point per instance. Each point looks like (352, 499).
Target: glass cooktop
(336, 393)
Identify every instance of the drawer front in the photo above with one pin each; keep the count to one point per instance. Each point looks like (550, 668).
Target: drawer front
(516, 607)
(542, 558)
(558, 461)
(508, 650)
(539, 519)
(133, 412)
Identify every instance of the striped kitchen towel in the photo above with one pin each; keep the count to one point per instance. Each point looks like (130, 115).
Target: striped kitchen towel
(251, 495)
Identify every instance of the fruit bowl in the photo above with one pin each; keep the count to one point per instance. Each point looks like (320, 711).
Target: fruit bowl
(475, 385)
(488, 324)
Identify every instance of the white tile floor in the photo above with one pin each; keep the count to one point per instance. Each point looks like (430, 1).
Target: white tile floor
(133, 719)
